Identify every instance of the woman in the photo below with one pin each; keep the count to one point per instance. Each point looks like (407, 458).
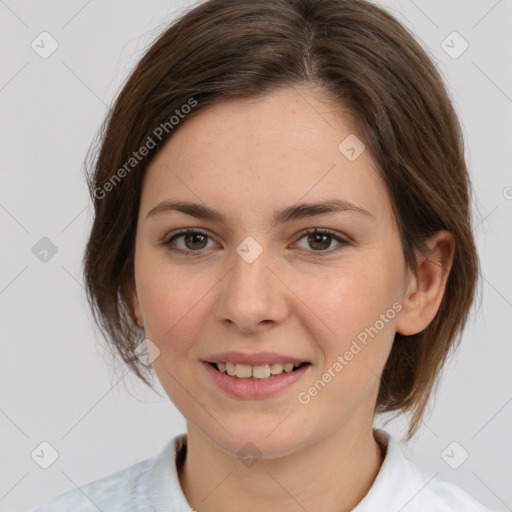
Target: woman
(282, 215)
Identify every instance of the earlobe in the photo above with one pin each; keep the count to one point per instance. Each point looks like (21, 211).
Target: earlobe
(425, 291)
(135, 305)
(137, 310)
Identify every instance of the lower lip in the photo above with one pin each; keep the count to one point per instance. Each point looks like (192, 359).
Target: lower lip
(255, 388)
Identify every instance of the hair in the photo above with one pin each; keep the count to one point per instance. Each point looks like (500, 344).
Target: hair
(351, 51)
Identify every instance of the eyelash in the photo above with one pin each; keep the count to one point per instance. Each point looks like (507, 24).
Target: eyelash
(321, 231)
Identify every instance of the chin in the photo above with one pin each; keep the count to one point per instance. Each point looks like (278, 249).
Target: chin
(261, 440)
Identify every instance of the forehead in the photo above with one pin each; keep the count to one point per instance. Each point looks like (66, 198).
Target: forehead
(260, 153)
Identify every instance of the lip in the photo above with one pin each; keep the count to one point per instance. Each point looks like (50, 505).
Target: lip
(255, 388)
(253, 359)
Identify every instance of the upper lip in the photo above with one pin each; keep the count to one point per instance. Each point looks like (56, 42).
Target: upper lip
(254, 359)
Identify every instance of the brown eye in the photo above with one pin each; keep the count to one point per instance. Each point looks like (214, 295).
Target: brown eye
(195, 240)
(320, 240)
(191, 242)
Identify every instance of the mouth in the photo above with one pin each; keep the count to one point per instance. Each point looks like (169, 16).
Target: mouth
(256, 376)
(256, 372)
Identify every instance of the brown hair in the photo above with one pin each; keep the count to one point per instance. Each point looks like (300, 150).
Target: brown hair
(353, 52)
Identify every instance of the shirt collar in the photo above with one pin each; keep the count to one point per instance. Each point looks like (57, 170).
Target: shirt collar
(391, 488)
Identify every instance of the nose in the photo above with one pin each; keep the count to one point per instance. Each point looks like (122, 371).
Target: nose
(252, 297)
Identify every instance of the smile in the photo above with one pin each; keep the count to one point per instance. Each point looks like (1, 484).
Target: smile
(263, 371)
(259, 381)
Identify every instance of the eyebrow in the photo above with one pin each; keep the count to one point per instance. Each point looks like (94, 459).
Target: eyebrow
(296, 211)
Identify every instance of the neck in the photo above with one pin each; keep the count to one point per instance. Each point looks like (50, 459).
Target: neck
(333, 474)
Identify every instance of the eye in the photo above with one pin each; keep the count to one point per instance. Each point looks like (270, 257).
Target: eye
(193, 241)
(320, 239)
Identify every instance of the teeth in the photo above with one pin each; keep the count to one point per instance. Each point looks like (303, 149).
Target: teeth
(243, 371)
(264, 371)
(276, 368)
(230, 369)
(261, 372)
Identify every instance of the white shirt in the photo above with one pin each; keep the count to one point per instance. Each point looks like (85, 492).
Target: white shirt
(153, 485)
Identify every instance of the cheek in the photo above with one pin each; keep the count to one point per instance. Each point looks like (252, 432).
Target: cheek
(353, 303)
(170, 303)
(350, 297)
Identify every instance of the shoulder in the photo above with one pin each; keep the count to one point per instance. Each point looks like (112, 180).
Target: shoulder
(107, 493)
(403, 486)
(130, 489)
(436, 494)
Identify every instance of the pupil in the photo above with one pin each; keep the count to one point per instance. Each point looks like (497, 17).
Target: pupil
(189, 239)
(316, 238)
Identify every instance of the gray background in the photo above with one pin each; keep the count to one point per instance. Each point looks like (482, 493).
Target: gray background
(58, 383)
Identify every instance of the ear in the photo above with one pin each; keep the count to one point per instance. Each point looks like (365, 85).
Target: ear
(134, 302)
(425, 291)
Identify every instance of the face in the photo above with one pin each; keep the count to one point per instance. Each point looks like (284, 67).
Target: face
(252, 287)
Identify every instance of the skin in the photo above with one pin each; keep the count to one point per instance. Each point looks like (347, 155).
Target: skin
(247, 158)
